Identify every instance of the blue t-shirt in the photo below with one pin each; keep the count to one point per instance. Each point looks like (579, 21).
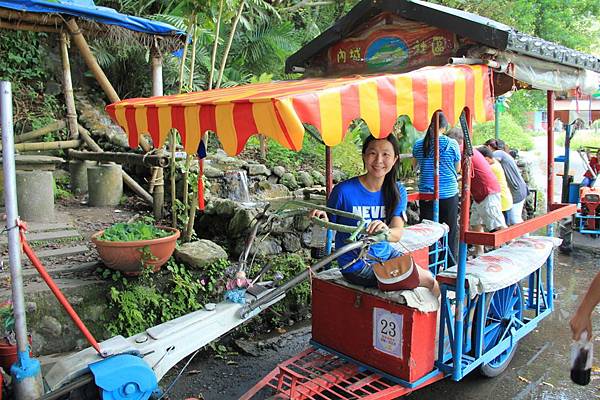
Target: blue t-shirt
(449, 156)
(352, 196)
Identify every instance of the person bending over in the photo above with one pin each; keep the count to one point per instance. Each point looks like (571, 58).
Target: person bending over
(381, 201)
(505, 195)
(516, 183)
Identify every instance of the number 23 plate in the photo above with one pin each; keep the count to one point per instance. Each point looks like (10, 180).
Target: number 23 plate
(387, 332)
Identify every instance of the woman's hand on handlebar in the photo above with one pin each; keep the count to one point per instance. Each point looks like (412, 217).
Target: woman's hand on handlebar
(376, 226)
(319, 214)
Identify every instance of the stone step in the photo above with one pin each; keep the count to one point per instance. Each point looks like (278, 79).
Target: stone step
(56, 272)
(61, 252)
(47, 226)
(46, 236)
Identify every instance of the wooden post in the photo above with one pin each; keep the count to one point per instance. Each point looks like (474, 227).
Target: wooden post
(158, 195)
(157, 77)
(43, 146)
(54, 126)
(173, 188)
(129, 181)
(91, 62)
(68, 87)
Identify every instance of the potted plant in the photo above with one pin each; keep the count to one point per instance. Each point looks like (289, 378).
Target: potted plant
(8, 341)
(129, 247)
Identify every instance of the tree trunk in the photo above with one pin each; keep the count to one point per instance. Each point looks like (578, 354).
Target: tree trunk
(193, 60)
(213, 57)
(68, 88)
(91, 62)
(229, 41)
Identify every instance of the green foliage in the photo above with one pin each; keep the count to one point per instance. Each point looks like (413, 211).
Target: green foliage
(297, 299)
(145, 301)
(570, 23)
(582, 138)
(129, 232)
(510, 132)
(24, 62)
(523, 101)
(7, 317)
(60, 187)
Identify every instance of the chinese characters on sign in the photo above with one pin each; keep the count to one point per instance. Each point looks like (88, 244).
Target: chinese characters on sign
(405, 44)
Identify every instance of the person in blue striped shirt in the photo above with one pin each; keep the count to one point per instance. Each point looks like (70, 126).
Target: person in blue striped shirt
(448, 178)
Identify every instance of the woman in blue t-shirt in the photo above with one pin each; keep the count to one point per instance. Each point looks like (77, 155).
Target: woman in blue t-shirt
(448, 178)
(371, 195)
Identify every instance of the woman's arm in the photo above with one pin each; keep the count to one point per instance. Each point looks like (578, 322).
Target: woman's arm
(582, 320)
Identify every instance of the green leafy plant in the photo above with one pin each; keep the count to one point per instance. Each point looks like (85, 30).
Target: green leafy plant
(510, 131)
(7, 319)
(150, 299)
(128, 232)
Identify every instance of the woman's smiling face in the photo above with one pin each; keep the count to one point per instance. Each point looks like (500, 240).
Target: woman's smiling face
(379, 158)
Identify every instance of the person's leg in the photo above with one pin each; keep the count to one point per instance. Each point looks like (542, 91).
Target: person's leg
(516, 212)
(492, 217)
(506, 215)
(425, 210)
(477, 211)
(427, 280)
(449, 216)
(362, 276)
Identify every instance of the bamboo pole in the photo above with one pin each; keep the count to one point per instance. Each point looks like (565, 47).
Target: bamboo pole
(193, 58)
(23, 26)
(42, 146)
(129, 181)
(192, 216)
(52, 127)
(40, 19)
(183, 57)
(152, 160)
(157, 73)
(213, 57)
(173, 188)
(91, 62)
(229, 42)
(158, 194)
(68, 87)
(186, 174)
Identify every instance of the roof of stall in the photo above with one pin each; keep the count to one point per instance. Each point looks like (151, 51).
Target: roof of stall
(50, 15)
(279, 109)
(482, 30)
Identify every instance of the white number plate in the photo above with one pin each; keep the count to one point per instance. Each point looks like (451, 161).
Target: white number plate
(387, 332)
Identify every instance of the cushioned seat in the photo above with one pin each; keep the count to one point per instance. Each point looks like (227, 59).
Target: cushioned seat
(506, 265)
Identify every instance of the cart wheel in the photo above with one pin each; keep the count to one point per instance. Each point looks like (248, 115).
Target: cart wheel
(502, 306)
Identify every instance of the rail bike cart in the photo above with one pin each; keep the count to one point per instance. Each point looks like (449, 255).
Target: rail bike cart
(487, 304)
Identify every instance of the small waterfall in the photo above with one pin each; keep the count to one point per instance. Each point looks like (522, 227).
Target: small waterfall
(237, 184)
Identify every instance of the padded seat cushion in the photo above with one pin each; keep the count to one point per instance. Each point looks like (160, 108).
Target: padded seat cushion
(506, 265)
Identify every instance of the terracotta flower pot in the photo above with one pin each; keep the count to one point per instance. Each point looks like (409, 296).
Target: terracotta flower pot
(8, 353)
(128, 257)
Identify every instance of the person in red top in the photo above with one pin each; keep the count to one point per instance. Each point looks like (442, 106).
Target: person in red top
(588, 178)
(486, 210)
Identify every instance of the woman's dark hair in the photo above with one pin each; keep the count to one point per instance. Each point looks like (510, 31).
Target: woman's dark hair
(496, 144)
(429, 135)
(485, 151)
(391, 195)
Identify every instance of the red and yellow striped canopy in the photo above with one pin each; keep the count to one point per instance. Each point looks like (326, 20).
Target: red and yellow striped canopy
(278, 109)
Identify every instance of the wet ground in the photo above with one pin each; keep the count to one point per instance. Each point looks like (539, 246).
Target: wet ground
(539, 370)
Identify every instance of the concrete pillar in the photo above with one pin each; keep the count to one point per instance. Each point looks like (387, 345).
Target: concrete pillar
(35, 197)
(105, 185)
(79, 177)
